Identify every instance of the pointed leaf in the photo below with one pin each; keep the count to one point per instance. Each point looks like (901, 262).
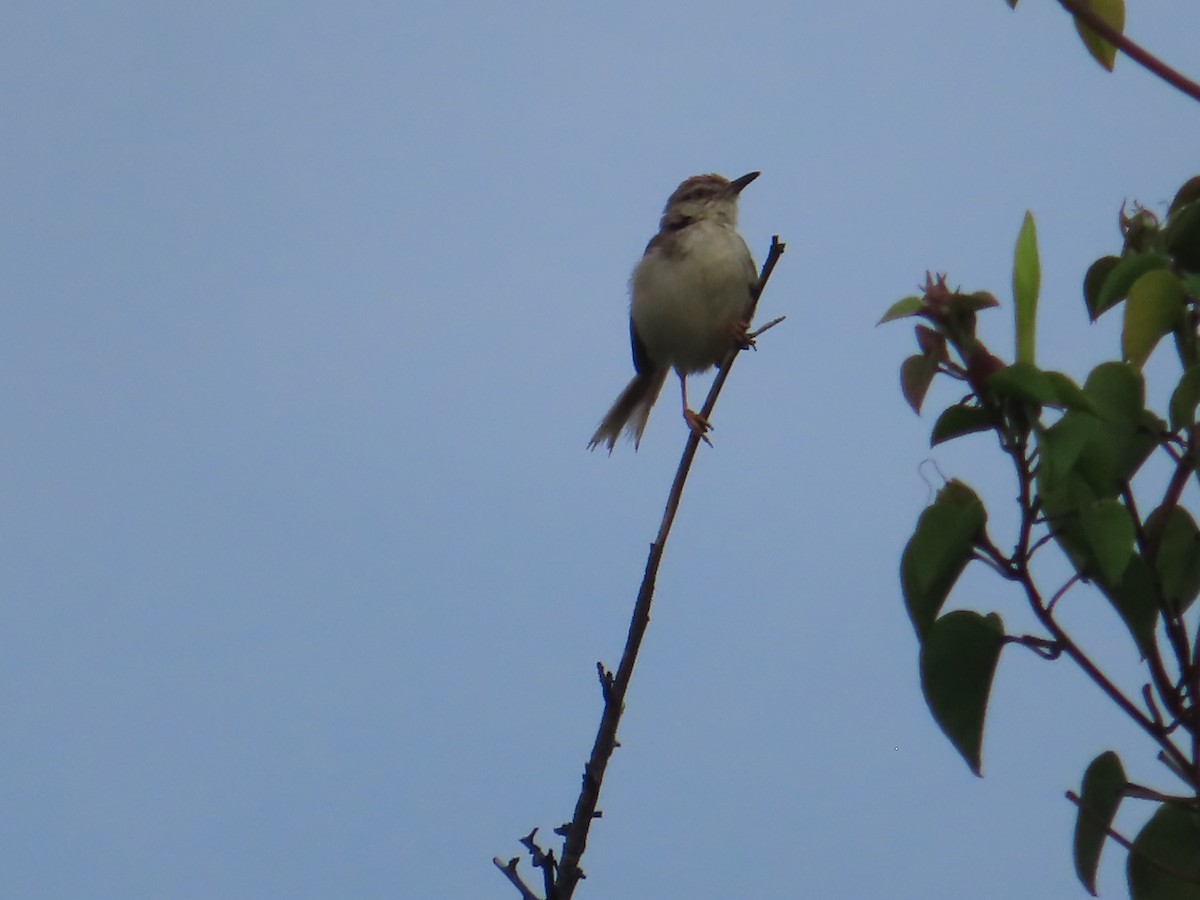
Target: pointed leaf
(1178, 556)
(1165, 861)
(1185, 399)
(1113, 14)
(962, 419)
(1118, 390)
(938, 551)
(1138, 601)
(902, 309)
(958, 661)
(978, 300)
(1188, 191)
(1122, 276)
(1103, 784)
(1154, 308)
(1024, 382)
(1027, 280)
(1110, 534)
(1093, 282)
(1182, 235)
(1069, 395)
(916, 374)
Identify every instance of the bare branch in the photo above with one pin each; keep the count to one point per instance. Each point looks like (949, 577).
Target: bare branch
(575, 842)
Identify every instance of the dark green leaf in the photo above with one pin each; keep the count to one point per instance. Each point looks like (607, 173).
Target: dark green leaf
(1112, 12)
(958, 660)
(1165, 861)
(961, 419)
(916, 374)
(1189, 191)
(1024, 382)
(1094, 280)
(1103, 784)
(1109, 531)
(1138, 601)
(1061, 501)
(1027, 280)
(938, 551)
(1182, 235)
(1068, 394)
(1154, 308)
(902, 309)
(1117, 390)
(1178, 557)
(1185, 399)
(1116, 286)
(1029, 384)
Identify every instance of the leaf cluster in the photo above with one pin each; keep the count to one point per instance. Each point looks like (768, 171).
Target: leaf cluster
(1076, 451)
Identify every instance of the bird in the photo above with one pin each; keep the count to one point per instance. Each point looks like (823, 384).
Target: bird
(691, 296)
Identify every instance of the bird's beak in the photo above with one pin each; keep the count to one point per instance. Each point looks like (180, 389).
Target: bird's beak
(738, 183)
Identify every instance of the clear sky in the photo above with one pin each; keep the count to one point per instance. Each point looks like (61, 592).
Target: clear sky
(307, 312)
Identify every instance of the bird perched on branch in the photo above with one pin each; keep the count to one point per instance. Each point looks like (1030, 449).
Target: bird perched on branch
(691, 295)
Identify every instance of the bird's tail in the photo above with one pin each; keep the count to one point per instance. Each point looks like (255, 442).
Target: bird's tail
(630, 410)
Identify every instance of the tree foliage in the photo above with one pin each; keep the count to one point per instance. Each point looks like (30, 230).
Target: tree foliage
(1077, 452)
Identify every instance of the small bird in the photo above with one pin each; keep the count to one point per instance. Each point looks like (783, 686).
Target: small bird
(690, 299)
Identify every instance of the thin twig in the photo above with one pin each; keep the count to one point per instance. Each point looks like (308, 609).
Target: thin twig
(1058, 595)
(575, 843)
(1081, 11)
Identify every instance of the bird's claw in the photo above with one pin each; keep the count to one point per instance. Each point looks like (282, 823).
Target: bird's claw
(699, 425)
(742, 339)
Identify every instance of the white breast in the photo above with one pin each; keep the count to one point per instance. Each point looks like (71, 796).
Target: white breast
(685, 298)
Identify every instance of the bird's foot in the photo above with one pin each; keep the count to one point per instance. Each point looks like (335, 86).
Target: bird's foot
(699, 425)
(742, 339)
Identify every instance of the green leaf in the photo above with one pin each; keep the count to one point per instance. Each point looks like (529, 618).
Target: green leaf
(1178, 556)
(1122, 276)
(1027, 280)
(1191, 284)
(1154, 308)
(962, 419)
(958, 661)
(1024, 382)
(902, 309)
(1188, 191)
(1094, 280)
(1138, 601)
(1182, 235)
(938, 551)
(1118, 390)
(1069, 395)
(1029, 384)
(1112, 12)
(916, 374)
(1103, 785)
(1185, 399)
(1165, 861)
(1110, 534)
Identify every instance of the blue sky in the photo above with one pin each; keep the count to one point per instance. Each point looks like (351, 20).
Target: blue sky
(309, 311)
